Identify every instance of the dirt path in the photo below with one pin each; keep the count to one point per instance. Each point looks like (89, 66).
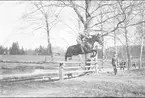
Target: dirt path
(92, 85)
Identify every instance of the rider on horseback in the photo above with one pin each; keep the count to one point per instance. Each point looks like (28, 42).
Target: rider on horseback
(81, 39)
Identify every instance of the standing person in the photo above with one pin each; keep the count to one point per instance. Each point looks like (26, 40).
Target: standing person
(114, 63)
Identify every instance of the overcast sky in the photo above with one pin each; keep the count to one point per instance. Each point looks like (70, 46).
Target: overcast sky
(10, 13)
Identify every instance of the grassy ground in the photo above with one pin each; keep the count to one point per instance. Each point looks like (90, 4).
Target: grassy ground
(124, 84)
(103, 84)
(33, 57)
(17, 68)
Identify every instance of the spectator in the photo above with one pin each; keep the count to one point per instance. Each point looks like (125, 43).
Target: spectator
(114, 63)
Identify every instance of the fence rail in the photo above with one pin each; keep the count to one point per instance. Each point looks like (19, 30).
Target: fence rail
(60, 73)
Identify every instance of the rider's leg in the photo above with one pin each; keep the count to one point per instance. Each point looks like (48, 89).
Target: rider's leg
(82, 45)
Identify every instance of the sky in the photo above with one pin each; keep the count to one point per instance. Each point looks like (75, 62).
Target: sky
(10, 29)
(10, 17)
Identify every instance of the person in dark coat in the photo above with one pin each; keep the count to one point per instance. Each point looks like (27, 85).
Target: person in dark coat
(114, 63)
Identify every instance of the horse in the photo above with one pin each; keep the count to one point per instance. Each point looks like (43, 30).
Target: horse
(87, 47)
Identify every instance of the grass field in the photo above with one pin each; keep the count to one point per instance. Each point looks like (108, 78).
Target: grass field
(104, 84)
(15, 68)
(29, 57)
(124, 84)
(19, 68)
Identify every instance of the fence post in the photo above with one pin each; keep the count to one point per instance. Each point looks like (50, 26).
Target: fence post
(95, 67)
(61, 71)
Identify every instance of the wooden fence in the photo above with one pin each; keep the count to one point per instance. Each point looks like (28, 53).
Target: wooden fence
(61, 73)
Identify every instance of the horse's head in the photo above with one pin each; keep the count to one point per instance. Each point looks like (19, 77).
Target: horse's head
(97, 38)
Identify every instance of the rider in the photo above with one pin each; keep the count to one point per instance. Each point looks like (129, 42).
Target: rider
(81, 39)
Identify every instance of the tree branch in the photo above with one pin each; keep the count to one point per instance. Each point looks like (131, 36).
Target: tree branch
(119, 22)
(78, 14)
(98, 15)
(100, 7)
(105, 20)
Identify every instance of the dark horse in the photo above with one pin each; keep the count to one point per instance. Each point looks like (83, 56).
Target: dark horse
(88, 47)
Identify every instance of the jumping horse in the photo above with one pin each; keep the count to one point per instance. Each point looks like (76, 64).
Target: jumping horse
(87, 47)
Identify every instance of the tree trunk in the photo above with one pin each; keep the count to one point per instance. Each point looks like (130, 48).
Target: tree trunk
(142, 39)
(127, 50)
(103, 50)
(84, 20)
(103, 54)
(115, 46)
(86, 23)
(48, 38)
(50, 50)
(141, 51)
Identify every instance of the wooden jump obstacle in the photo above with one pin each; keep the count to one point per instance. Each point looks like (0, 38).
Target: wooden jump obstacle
(62, 68)
(61, 73)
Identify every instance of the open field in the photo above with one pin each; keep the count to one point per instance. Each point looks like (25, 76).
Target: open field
(33, 57)
(102, 84)
(124, 84)
(18, 68)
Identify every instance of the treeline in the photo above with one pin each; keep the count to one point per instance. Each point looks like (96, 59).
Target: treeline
(15, 49)
(134, 50)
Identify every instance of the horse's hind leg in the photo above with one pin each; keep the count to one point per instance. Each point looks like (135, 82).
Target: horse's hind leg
(70, 58)
(68, 55)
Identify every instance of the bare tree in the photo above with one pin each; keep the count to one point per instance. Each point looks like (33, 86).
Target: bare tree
(45, 15)
(115, 35)
(127, 8)
(140, 31)
(130, 13)
(103, 49)
(88, 13)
